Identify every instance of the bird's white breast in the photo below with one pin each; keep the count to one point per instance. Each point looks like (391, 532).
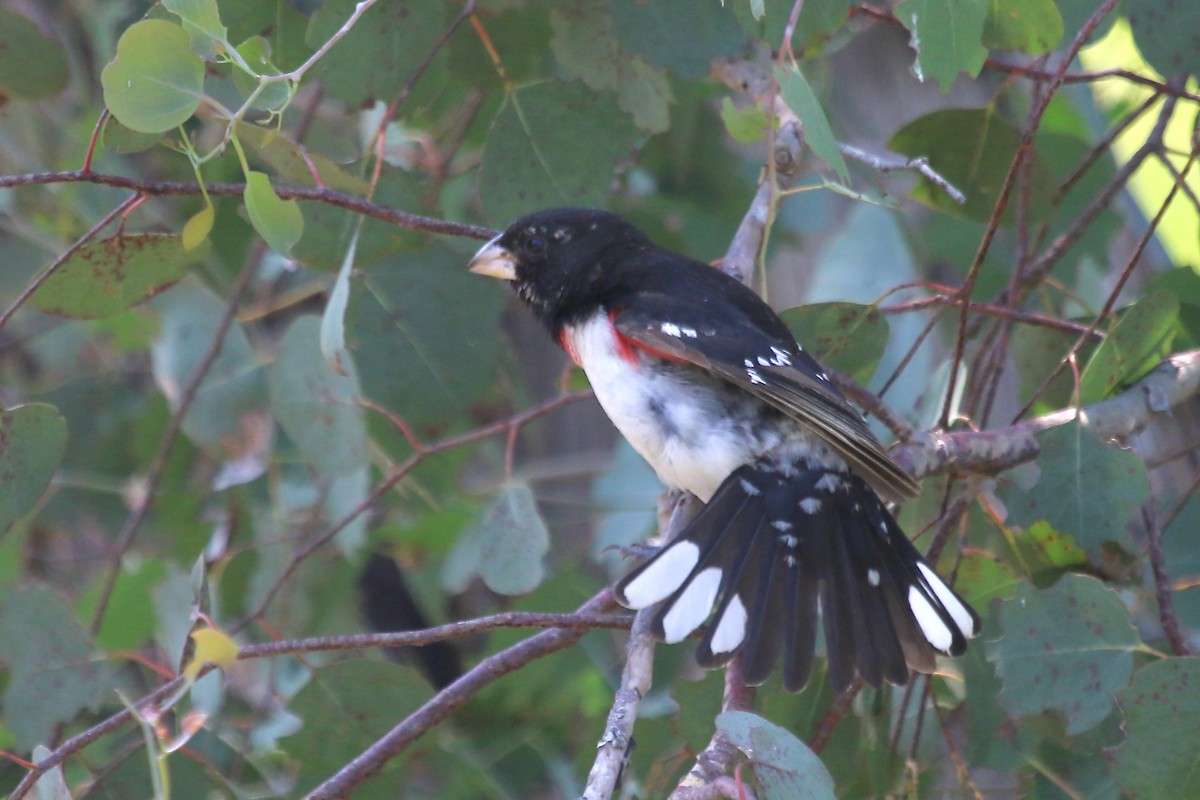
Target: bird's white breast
(681, 428)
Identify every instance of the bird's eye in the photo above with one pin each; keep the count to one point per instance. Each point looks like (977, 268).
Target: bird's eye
(536, 246)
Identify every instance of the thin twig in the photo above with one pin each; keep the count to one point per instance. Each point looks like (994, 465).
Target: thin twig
(450, 699)
(403, 219)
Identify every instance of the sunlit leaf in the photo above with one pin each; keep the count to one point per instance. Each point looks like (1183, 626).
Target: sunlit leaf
(155, 82)
(197, 228)
(32, 440)
(210, 646)
(1067, 648)
(278, 221)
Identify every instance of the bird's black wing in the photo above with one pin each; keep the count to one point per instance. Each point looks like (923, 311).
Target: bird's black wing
(730, 341)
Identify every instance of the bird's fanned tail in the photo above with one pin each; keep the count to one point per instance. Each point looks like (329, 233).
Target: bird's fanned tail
(776, 549)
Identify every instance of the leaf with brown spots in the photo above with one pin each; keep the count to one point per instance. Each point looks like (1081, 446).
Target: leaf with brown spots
(112, 275)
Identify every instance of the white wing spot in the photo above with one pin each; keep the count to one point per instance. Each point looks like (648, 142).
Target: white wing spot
(790, 560)
(688, 332)
(883, 526)
(670, 329)
(755, 377)
(823, 376)
(810, 505)
(663, 575)
(936, 632)
(958, 612)
(750, 489)
(830, 482)
(692, 607)
(749, 363)
(781, 525)
(873, 577)
(789, 540)
(782, 358)
(764, 362)
(731, 628)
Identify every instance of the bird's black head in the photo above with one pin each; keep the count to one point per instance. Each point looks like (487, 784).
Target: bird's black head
(562, 261)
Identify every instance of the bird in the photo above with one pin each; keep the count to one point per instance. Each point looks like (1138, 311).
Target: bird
(709, 385)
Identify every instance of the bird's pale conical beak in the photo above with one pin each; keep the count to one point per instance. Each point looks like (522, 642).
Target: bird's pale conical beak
(494, 261)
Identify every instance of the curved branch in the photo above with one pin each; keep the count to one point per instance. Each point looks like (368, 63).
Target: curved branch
(1172, 382)
(403, 219)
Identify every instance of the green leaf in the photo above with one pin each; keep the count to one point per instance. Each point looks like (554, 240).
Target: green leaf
(1068, 648)
(129, 621)
(289, 160)
(257, 53)
(536, 141)
(124, 140)
(54, 672)
(1087, 489)
(850, 337)
(1031, 26)
(32, 66)
(946, 35)
(202, 20)
(277, 221)
(232, 394)
(317, 408)
(399, 313)
(681, 35)
(156, 82)
(197, 228)
(746, 125)
(1046, 552)
(505, 548)
(346, 707)
(379, 54)
(817, 134)
(1159, 760)
(1165, 33)
(973, 149)
(584, 44)
(818, 21)
(107, 277)
(33, 438)
(786, 769)
(1141, 338)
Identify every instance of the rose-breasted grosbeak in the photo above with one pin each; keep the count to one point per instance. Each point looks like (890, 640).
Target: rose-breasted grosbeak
(708, 385)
